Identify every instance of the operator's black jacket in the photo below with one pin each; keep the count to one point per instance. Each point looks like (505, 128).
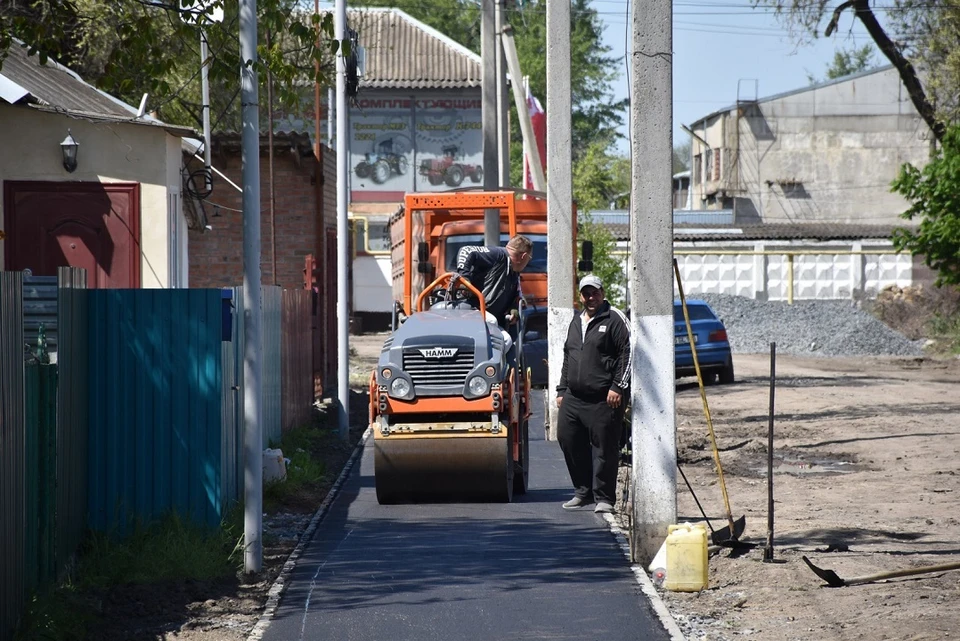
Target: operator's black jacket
(594, 365)
(488, 269)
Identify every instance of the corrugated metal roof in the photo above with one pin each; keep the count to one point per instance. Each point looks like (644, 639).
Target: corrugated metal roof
(773, 232)
(53, 87)
(404, 53)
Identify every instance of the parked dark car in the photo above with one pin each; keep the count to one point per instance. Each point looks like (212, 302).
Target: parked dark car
(710, 337)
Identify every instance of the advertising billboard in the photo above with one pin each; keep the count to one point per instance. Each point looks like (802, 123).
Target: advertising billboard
(402, 143)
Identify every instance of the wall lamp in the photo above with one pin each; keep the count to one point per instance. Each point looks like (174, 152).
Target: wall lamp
(69, 148)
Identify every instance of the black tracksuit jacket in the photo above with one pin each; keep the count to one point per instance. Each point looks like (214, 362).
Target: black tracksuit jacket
(488, 269)
(594, 365)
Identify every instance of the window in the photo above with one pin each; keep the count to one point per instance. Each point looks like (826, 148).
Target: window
(537, 264)
(716, 164)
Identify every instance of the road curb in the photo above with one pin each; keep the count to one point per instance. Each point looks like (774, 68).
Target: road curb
(646, 585)
(276, 590)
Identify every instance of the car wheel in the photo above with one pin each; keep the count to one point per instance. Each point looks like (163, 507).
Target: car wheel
(726, 374)
(709, 377)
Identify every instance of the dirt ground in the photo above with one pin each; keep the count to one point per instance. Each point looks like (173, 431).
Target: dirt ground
(866, 458)
(865, 481)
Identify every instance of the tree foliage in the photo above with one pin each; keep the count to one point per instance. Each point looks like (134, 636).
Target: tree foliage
(805, 18)
(131, 47)
(934, 194)
(846, 62)
(681, 156)
(595, 115)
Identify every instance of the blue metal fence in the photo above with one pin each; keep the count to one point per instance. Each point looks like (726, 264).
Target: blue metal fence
(155, 421)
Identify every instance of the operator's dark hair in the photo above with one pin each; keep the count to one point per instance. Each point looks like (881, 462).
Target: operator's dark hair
(521, 244)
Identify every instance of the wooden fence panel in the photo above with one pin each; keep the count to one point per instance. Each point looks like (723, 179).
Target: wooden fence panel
(297, 358)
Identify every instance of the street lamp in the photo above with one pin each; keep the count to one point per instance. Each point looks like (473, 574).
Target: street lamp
(69, 148)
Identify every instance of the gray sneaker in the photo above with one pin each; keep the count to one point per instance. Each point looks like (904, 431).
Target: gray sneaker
(576, 503)
(603, 508)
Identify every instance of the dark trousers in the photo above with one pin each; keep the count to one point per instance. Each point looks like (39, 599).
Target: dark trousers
(589, 436)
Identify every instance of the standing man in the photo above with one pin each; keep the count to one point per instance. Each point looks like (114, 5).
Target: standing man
(594, 386)
(495, 271)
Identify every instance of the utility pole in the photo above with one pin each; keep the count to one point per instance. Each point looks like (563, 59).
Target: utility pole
(654, 476)
(252, 312)
(560, 222)
(491, 162)
(343, 171)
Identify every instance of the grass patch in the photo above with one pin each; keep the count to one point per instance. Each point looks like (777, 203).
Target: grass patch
(309, 448)
(170, 549)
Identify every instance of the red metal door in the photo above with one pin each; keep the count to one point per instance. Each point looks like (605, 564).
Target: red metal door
(79, 224)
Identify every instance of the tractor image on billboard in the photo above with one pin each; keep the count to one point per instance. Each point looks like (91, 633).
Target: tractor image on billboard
(381, 164)
(450, 168)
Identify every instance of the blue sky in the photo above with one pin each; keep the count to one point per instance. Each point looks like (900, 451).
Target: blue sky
(725, 46)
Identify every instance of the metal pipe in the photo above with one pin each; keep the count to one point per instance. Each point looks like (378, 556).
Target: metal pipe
(273, 191)
(768, 550)
(491, 155)
(205, 98)
(343, 171)
(520, 99)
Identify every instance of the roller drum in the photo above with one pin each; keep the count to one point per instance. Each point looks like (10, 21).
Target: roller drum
(411, 468)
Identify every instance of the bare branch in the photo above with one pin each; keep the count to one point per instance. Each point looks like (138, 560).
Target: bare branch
(836, 17)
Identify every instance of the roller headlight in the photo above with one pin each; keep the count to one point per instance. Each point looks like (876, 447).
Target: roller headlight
(400, 387)
(478, 386)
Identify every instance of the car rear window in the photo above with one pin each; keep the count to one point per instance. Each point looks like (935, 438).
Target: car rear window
(697, 312)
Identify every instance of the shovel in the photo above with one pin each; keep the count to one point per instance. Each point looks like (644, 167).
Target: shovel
(835, 581)
(724, 536)
(733, 526)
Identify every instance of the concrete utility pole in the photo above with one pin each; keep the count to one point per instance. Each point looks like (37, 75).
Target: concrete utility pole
(654, 477)
(491, 161)
(252, 312)
(560, 222)
(343, 172)
(503, 101)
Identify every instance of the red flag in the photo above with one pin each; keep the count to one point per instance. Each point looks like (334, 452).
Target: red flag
(539, 119)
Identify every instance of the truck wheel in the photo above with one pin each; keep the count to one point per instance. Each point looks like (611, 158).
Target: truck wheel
(381, 171)
(477, 175)
(402, 165)
(455, 175)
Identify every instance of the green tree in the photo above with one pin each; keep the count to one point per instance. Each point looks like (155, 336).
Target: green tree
(681, 156)
(805, 17)
(934, 194)
(131, 47)
(606, 263)
(599, 179)
(846, 62)
(595, 115)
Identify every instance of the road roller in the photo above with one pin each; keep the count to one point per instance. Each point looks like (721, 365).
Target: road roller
(449, 403)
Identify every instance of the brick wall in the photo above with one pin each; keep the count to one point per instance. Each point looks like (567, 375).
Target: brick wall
(216, 255)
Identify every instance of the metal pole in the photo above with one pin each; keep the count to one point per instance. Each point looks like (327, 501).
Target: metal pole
(252, 313)
(768, 550)
(273, 192)
(331, 114)
(343, 169)
(503, 101)
(654, 478)
(488, 55)
(560, 222)
(205, 97)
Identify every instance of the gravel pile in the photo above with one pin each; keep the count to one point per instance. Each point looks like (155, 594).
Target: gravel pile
(807, 328)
